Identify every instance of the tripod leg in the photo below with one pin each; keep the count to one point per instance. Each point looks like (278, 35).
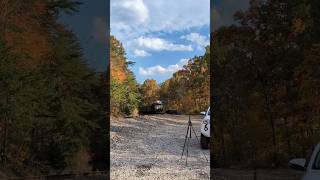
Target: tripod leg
(195, 134)
(189, 138)
(199, 142)
(184, 145)
(187, 152)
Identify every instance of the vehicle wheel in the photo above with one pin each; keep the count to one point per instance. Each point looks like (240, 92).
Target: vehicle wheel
(204, 141)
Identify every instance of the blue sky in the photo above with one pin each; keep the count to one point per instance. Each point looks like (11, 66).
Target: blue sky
(90, 25)
(152, 21)
(160, 35)
(222, 11)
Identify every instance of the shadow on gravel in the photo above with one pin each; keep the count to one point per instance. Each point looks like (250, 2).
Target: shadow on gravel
(142, 170)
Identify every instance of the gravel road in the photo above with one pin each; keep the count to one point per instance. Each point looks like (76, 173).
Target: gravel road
(150, 147)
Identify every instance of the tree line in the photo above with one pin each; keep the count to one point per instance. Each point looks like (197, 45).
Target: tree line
(266, 84)
(52, 105)
(124, 89)
(187, 91)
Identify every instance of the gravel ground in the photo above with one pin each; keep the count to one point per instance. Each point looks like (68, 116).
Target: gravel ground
(150, 147)
(259, 174)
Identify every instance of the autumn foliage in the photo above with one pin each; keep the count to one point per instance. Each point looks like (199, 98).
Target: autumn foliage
(51, 102)
(266, 84)
(188, 90)
(124, 93)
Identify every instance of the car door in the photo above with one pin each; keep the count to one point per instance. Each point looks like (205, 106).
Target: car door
(313, 170)
(207, 122)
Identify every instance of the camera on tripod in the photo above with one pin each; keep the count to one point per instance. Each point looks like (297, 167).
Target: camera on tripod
(187, 140)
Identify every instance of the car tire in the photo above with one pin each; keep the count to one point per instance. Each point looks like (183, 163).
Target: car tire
(204, 141)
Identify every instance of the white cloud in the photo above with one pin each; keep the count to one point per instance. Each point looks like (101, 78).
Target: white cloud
(200, 40)
(169, 15)
(134, 18)
(158, 44)
(183, 62)
(141, 53)
(133, 12)
(160, 70)
(152, 70)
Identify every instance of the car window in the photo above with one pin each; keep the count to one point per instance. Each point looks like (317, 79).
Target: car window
(316, 164)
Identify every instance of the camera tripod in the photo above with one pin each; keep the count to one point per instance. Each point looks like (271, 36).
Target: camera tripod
(187, 140)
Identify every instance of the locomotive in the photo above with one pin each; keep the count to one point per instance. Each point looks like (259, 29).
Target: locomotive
(155, 108)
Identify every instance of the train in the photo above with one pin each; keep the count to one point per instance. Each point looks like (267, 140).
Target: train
(155, 108)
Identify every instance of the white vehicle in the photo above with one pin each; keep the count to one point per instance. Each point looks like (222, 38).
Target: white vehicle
(205, 130)
(311, 168)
